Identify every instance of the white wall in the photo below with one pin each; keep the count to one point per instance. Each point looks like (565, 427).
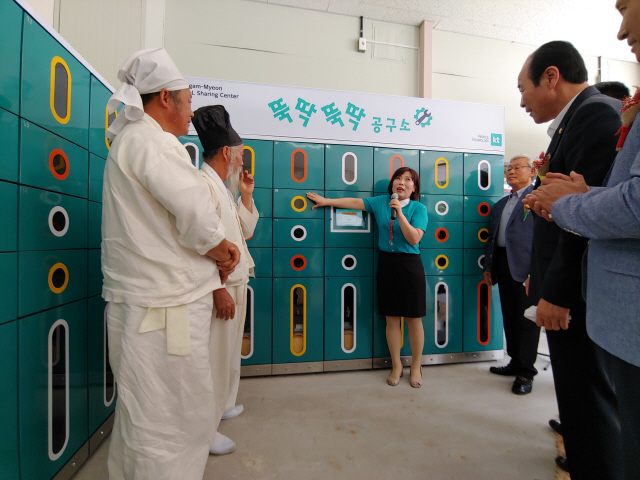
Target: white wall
(265, 43)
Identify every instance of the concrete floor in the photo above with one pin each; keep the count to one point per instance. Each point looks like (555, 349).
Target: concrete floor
(463, 424)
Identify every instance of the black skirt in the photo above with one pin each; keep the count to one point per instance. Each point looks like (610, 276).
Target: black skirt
(402, 289)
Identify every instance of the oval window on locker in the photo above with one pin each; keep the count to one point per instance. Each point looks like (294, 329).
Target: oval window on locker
(348, 317)
(484, 313)
(299, 165)
(109, 118)
(59, 164)
(395, 163)
(298, 263)
(194, 153)
(442, 173)
(484, 209)
(349, 168)
(483, 235)
(60, 93)
(249, 160)
(246, 351)
(442, 262)
(298, 327)
(481, 262)
(349, 262)
(58, 389)
(484, 175)
(58, 278)
(58, 221)
(109, 383)
(442, 235)
(441, 313)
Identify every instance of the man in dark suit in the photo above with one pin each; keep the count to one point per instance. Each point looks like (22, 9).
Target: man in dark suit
(553, 85)
(610, 217)
(507, 258)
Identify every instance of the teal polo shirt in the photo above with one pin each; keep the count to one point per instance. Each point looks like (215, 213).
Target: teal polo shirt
(415, 212)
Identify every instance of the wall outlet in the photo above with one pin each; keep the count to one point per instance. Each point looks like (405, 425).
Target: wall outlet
(362, 44)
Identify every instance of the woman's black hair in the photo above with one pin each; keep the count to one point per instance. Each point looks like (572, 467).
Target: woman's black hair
(416, 181)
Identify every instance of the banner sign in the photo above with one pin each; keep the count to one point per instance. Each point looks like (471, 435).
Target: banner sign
(273, 112)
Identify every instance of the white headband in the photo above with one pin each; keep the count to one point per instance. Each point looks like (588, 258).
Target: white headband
(146, 71)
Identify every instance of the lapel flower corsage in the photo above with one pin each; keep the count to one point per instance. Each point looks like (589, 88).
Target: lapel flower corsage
(629, 110)
(527, 209)
(542, 165)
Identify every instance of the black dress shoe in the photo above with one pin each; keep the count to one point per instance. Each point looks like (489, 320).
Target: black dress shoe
(562, 463)
(506, 370)
(522, 385)
(556, 426)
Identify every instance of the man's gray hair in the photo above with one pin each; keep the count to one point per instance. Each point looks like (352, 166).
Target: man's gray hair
(526, 157)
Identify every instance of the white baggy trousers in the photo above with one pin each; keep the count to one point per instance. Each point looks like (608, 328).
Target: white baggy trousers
(225, 345)
(164, 421)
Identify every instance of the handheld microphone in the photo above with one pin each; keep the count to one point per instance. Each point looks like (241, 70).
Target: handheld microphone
(394, 214)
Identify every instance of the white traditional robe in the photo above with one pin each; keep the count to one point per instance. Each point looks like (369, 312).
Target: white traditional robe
(226, 336)
(158, 221)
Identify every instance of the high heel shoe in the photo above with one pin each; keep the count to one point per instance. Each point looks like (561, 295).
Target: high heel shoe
(415, 384)
(394, 383)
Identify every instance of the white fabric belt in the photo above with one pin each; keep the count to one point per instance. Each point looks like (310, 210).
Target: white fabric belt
(176, 321)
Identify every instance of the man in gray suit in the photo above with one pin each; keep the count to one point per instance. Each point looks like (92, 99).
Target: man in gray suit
(610, 217)
(507, 259)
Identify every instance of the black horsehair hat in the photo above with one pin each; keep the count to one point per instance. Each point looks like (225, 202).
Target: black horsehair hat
(214, 128)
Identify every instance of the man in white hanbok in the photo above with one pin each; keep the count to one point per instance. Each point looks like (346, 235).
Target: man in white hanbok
(223, 152)
(161, 239)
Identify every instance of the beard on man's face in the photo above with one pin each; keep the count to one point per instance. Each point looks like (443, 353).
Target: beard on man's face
(233, 181)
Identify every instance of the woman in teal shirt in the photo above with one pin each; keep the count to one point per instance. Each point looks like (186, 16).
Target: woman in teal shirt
(401, 286)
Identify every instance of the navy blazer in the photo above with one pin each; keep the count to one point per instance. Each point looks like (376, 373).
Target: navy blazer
(610, 216)
(585, 142)
(518, 238)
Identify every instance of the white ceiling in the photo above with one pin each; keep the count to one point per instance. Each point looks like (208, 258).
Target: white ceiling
(591, 25)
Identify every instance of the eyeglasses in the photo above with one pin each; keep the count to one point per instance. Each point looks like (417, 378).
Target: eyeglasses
(516, 168)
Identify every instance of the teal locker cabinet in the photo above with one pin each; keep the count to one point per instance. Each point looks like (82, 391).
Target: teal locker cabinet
(55, 89)
(347, 228)
(51, 221)
(297, 325)
(8, 143)
(51, 162)
(387, 160)
(262, 235)
(11, 40)
(289, 203)
(442, 235)
(263, 200)
(442, 261)
(482, 324)
(194, 149)
(348, 168)
(263, 259)
(95, 225)
(51, 278)
(443, 322)
(476, 235)
(298, 166)
(101, 383)
(255, 353)
(443, 208)
(348, 262)
(348, 323)
(441, 173)
(298, 262)
(96, 174)
(473, 261)
(478, 209)
(8, 287)
(94, 272)
(294, 233)
(258, 161)
(9, 400)
(52, 389)
(483, 175)
(99, 118)
(9, 217)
